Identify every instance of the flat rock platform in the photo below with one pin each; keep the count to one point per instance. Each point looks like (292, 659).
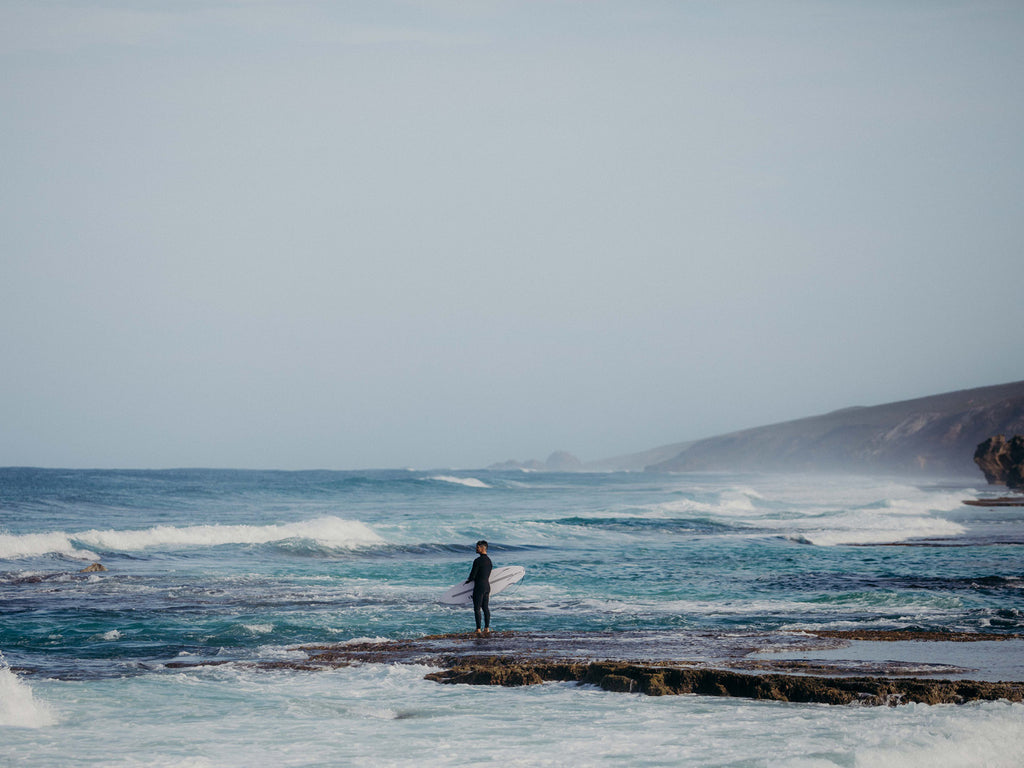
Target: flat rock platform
(834, 667)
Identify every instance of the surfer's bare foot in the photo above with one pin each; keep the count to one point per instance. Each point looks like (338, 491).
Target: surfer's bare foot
(487, 631)
(479, 633)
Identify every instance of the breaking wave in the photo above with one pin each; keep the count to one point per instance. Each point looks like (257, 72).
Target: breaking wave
(889, 522)
(866, 531)
(18, 707)
(469, 482)
(329, 532)
(877, 517)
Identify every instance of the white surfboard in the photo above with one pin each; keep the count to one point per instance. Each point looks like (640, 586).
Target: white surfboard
(501, 578)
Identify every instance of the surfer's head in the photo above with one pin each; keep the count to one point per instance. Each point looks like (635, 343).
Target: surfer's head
(481, 546)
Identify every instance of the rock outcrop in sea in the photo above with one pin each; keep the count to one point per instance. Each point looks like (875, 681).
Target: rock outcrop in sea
(1002, 461)
(559, 461)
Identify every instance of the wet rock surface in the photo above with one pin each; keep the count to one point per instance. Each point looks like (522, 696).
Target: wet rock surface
(664, 681)
(908, 634)
(1002, 501)
(673, 663)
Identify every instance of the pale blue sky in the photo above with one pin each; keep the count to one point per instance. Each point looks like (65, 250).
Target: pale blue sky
(384, 234)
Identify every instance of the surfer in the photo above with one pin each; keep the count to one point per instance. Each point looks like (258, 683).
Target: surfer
(480, 575)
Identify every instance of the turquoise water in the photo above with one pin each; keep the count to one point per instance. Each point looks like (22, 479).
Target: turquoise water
(231, 565)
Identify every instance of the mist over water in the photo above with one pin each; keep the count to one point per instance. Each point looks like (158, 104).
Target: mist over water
(236, 567)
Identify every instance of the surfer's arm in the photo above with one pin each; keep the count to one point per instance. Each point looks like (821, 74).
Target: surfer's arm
(472, 572)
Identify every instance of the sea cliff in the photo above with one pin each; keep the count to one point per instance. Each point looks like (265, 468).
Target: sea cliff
(1002, 461)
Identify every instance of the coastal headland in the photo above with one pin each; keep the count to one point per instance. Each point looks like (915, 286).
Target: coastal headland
(928, 436)
(831, 667)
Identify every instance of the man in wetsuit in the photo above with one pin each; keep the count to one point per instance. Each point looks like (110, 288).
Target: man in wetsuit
(480, 575)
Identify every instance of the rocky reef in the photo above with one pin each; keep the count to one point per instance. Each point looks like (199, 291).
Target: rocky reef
(1002, 461)
(673, 663)
(667, 681)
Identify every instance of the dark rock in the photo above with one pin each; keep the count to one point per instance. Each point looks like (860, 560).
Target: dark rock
(1002, 460)
(666, 681)
(1004, 501)
(619, 684)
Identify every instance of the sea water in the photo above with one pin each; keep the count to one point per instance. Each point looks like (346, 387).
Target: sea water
(236, 567)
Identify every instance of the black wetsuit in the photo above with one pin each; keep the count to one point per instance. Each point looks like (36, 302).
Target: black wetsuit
(480, 575)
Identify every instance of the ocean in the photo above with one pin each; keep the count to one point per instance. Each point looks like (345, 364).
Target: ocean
(242, 566)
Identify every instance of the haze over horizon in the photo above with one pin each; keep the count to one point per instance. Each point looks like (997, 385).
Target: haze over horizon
(431, 234)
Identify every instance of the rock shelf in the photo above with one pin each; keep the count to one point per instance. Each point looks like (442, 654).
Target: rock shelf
(673, 663)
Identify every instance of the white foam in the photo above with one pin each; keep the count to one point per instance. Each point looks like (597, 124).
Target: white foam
(830, 513)
(13, 546)
(469, 482)
(259, 629)
(875, 526)
(729, 502)
(988, 736)
(18, 707)
(325, 531)
(367, 639)
(238, 717)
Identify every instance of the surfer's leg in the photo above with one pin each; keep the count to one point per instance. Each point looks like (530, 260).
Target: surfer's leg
(477, 607)
(485, 604)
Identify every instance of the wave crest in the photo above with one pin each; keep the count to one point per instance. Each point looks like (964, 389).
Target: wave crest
(469, 482)
(18, 707)
(865, 528)
(330, 532)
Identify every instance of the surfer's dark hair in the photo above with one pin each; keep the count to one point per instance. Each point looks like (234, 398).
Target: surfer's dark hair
(481, 543)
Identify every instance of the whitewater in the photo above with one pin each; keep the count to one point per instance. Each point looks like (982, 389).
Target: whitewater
(234, 567)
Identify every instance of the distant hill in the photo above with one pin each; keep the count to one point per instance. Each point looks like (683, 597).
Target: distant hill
(637, 462)
(559, 461)
(929, 435)
(562, 461)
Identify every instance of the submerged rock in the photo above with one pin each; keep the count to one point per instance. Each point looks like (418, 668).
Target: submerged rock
(94, 568)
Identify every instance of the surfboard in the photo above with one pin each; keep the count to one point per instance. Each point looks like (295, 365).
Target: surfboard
(501, 578)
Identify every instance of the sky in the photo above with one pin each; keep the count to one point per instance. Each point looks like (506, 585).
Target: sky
(427, 233)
